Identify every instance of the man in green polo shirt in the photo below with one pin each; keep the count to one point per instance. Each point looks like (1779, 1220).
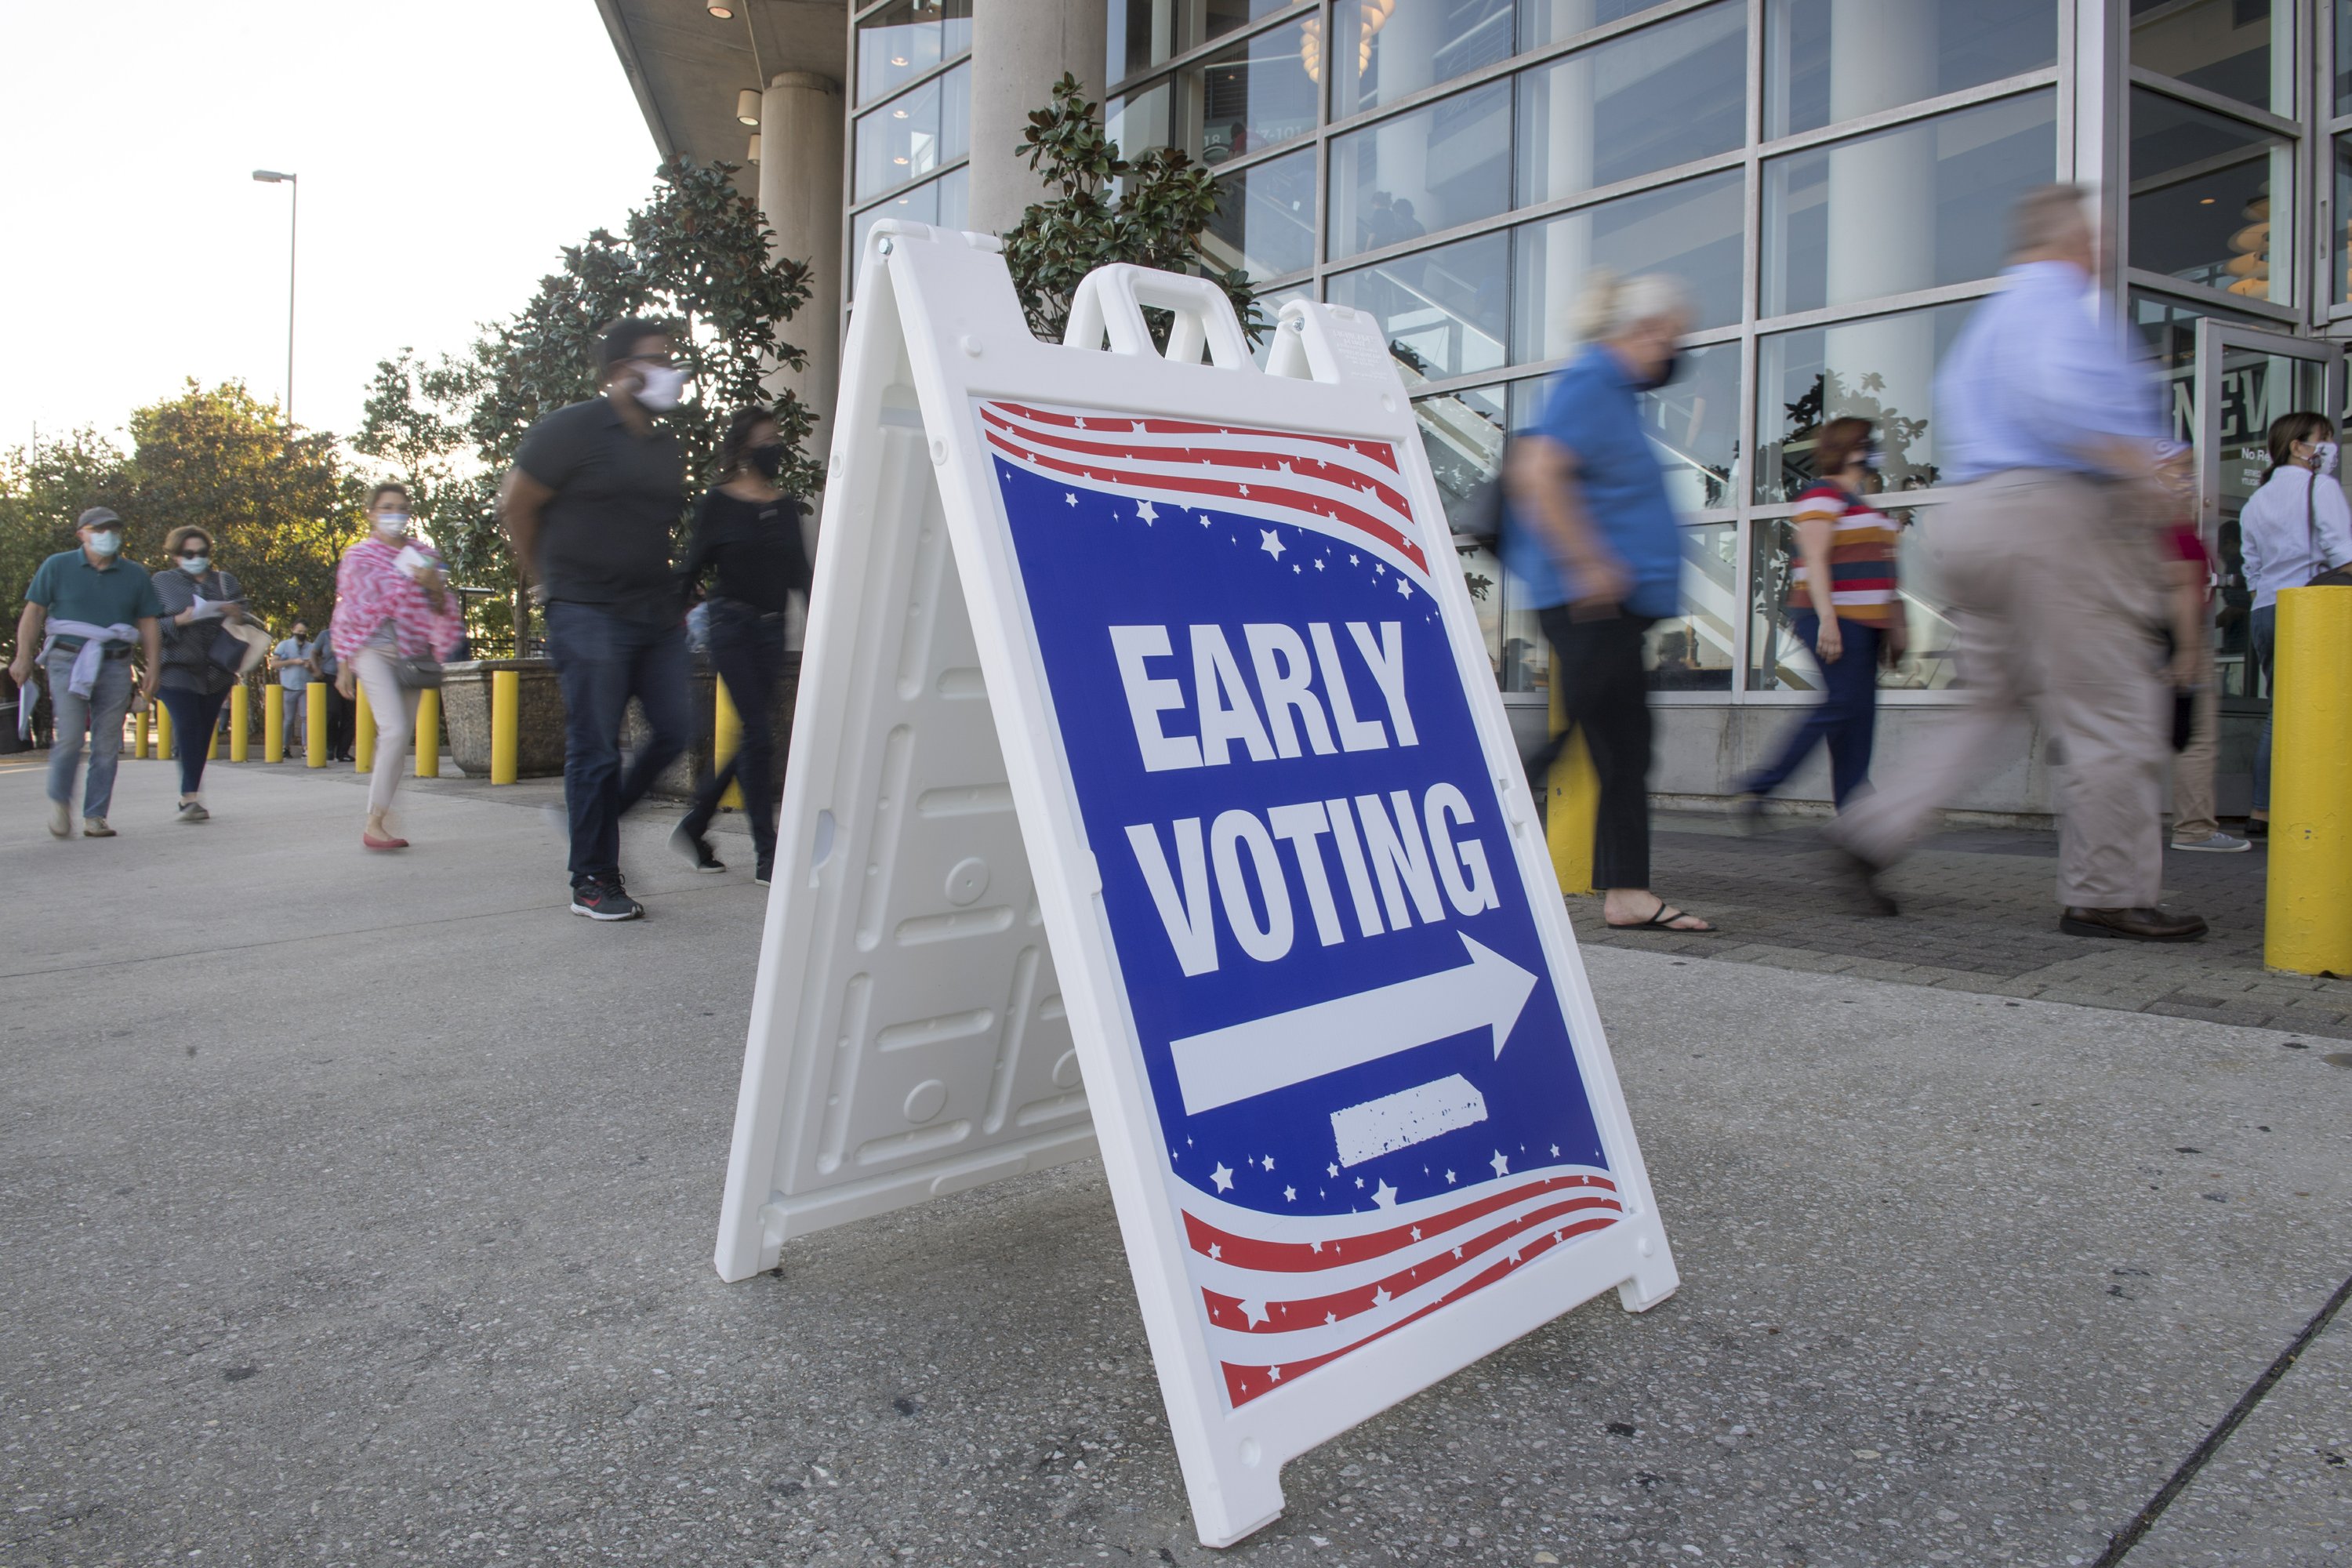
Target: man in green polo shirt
(97, 609)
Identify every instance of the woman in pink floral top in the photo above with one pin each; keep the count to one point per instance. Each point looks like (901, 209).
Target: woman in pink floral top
(392, 601)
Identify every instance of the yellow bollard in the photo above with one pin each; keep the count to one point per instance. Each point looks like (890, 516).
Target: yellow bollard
(240, 722)
(428, 734)
(362, 734)
(162, 732)
(139, 747)
(506, 724)
(212, 743)
(2307, 924)
(726, 738)
(1572, 806)
(273, 723)
(314, 723)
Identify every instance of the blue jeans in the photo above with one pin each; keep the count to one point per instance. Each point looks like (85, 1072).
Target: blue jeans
(601, 660)
(749, 649)
(1847, 716)
(100, 715)
(2265, 651)
(194, 716)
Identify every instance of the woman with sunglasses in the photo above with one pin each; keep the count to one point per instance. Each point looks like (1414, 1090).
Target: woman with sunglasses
(199, 599)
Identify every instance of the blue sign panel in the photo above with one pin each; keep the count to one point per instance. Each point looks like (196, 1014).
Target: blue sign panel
(1359, 1063)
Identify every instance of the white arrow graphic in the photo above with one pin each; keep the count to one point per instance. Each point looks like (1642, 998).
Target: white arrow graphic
(1243, 1060)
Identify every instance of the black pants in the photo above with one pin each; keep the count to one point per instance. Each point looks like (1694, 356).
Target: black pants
(342, 719)
(194, 716)
(1597, 665)
(749, 649)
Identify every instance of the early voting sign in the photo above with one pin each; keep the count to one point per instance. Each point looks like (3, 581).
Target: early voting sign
(1150, 790)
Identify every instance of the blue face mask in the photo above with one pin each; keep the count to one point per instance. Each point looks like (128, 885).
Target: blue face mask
(105, 544)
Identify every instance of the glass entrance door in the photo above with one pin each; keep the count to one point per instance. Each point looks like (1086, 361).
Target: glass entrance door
(2243, 380)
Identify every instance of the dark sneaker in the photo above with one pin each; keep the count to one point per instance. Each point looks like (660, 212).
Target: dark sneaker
(2132, 925)
(697, 850)
(194, 811)
(604, 902)
(764, 872)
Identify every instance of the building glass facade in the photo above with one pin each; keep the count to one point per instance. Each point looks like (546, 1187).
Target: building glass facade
(1831, 178)
(910, 117)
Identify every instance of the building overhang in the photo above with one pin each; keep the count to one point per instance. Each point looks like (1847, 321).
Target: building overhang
(687, 66)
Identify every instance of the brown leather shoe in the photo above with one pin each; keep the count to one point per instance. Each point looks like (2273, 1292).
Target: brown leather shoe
(2132, 925)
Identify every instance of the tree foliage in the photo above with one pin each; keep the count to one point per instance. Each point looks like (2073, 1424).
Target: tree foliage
(1150, 211)
(279, 504)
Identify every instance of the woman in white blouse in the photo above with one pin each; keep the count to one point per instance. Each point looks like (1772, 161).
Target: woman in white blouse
(2294, 528)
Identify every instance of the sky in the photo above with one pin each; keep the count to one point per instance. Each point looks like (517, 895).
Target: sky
(447, 150)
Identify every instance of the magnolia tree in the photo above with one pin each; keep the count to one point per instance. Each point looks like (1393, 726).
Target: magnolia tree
(696, 254)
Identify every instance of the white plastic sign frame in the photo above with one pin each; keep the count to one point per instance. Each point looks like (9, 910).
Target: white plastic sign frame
(1146, 742)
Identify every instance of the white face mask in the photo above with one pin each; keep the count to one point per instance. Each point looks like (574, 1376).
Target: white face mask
(105, 544)
(660, 386)
(392, 524)
(193, 565)
(2323, 457)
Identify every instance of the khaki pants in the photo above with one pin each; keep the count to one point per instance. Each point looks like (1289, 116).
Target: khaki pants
(2057, 590)
(394, 707)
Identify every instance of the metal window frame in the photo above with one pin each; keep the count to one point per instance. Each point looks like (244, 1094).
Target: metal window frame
(857, 111)
(849, 151)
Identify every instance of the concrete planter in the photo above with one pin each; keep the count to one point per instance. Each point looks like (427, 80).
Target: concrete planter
(466, 709)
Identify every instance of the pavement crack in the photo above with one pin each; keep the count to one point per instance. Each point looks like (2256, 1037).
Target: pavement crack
(2119, 1545)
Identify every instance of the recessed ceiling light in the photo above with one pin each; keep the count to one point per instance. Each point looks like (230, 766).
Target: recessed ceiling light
(898, 114)
(2206, 203)
(721, 9)
(898, 59)
(898, 160)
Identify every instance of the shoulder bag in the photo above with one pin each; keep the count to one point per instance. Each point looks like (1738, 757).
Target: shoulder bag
(2327, 576)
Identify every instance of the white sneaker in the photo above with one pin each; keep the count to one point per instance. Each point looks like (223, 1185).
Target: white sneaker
(2220, 843)
(61, 819)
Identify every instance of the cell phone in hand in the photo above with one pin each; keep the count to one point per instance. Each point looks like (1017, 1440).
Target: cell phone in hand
(410, 559)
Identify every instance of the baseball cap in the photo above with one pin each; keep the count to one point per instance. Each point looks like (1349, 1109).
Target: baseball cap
(96, 516)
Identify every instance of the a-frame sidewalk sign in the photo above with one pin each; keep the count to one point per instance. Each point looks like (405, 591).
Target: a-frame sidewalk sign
(1150, 788)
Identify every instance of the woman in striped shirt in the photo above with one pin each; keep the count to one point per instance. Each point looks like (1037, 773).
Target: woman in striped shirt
(1845, 542)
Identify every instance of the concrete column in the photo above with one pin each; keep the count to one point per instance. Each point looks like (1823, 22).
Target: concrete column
(801, 197)
(1019, 49)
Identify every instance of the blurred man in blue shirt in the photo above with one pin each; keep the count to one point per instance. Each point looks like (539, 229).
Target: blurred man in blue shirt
(1592, 537)
(2051, 556)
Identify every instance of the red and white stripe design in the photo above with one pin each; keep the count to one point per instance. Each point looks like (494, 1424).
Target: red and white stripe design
(1352, 490)
(1283, 1296)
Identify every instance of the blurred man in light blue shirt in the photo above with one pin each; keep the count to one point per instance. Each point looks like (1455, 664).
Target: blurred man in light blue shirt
(2051, 554)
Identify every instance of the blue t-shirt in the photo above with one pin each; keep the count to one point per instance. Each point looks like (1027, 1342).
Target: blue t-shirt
(1593, 409)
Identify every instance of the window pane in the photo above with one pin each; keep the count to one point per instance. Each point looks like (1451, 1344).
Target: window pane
(1691, 230)
(1463, 434)
(1142, 33)
(1881, 369)
(914, 133)
(1141, 121)
(2344, 56)
(1918, 205)
(1694, 426)
(1388, 48)
(1266, 217)
(1431, 169)
(920, 205)
(1832, 60)
(1251, 97)
(1545, 22)
(2242, 49)
(1441, 311)
(901, 41)
(2200, 204)
(1644, 101)
(1525, 656)
(954, 197)
(2339, 284)
(1691, 650)
(1779, 661)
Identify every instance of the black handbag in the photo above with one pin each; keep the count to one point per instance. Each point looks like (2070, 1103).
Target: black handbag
(417, 674)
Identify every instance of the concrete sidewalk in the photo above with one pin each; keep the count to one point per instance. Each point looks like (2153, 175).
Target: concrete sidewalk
(359, 1209)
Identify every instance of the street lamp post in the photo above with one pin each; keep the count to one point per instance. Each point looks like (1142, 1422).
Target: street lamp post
(293, 235)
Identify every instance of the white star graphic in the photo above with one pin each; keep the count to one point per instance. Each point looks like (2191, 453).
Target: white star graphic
(1457, 1252)
(1216, 1249)
(1274, 1374)
(1318, 1247)
(1255, 1313)
(1380, 1297)
(1267, 1162)
(1286, 468)
(1359, 1181)
(1070, 497)
(1512, 1252)
(1082, 424)
(1318, 566)
(1222, 1177)
(1416, 1232)
(1245, 489)
(1449, 1178)
(1144, 510)
(1351, 560)
(1330, 1170)
(1293, 569)
(1290, 1195)
(1329, 1319)
(1502, 1164)
(1404, 587)
(1554, 1150)
(1138, 426)
(1385, 1196)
